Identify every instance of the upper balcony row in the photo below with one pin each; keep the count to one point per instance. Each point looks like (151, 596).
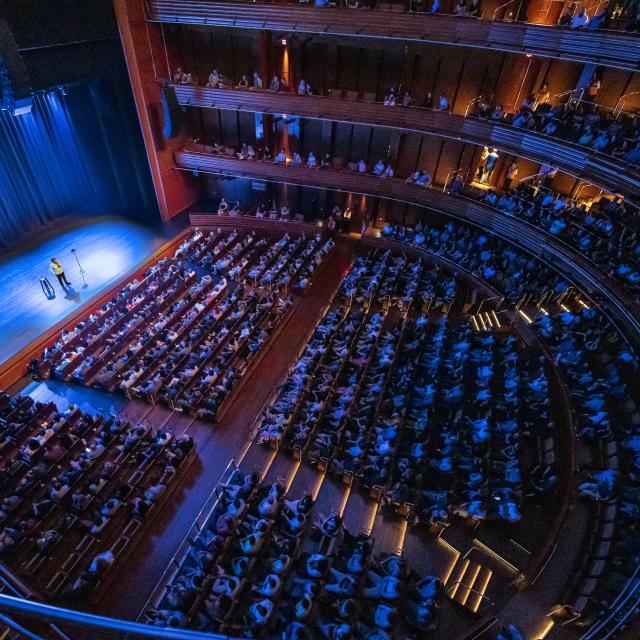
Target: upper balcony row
(603, 169)
(579, 34)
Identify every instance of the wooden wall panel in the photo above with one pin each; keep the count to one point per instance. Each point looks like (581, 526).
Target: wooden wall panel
(144, 52)
(448, 160)
(562, 76)
(614, 84)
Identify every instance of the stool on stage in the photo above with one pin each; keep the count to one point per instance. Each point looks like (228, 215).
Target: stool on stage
(47, 289)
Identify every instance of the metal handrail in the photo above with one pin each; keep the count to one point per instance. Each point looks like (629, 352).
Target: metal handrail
(471, 590)
(624, 597)
(477, 99)
(452, 174)
(502, 6)
(92, 623)
(621, 101)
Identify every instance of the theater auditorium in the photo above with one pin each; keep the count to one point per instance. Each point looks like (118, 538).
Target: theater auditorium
(320, 319)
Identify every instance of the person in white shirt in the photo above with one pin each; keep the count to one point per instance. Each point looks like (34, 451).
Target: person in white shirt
(362, 167)
(388, 172)
(378, 170)
(214, 79)
(281, 157)
(443, 102)
(311, 161)
(302, 88)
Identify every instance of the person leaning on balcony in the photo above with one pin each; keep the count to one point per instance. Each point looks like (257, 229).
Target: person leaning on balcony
(580, 19)
(498, 113)
(460, 9)
(214, 80)
(275, 84)
(475, 8)
(257, 81)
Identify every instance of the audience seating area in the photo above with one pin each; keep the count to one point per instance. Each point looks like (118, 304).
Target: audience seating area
(412, 404)
(439, 417)
(617, 50)
(76, 489)
(187, 332)
(267, 564)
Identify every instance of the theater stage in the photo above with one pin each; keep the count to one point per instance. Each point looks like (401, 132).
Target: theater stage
(107, 248)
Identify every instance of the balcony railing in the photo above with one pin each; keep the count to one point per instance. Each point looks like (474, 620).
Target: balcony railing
(609, 48)
(620, 308)
(605, 171)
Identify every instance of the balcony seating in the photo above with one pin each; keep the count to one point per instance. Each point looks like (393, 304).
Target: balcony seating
(598, 168)
(618, 50)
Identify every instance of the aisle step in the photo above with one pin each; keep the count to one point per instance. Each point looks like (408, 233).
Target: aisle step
(467, 583)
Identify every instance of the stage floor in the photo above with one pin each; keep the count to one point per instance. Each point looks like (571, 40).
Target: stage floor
(107, 247)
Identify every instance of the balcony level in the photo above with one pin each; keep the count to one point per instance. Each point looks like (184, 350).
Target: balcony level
(605, 171)
(585, 274)
(615, 49)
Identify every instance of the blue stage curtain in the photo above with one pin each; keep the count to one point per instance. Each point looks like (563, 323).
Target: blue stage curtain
(79, 152)
(42, 171)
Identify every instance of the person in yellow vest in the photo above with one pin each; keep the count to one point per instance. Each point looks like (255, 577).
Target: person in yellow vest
(56, 268)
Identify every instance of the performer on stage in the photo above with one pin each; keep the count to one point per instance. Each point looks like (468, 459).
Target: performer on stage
(56, 268)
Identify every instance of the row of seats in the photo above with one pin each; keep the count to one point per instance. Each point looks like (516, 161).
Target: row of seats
(266, 564)
(606, 233)
(76, 485)
(600, 371)
(190, 344)
(510, 271)
(422, 411)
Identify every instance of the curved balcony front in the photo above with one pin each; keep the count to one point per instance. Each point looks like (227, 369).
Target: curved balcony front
(621, 308)
(605, 171)
(609, 48)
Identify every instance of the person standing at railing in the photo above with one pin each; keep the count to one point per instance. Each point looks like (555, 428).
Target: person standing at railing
(482, 163)
(489, 166)
(511, 175)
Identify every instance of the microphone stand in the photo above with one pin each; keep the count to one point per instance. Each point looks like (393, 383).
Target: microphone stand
(82, 271)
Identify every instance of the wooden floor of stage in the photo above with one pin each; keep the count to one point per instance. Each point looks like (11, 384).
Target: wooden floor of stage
(107, 247)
